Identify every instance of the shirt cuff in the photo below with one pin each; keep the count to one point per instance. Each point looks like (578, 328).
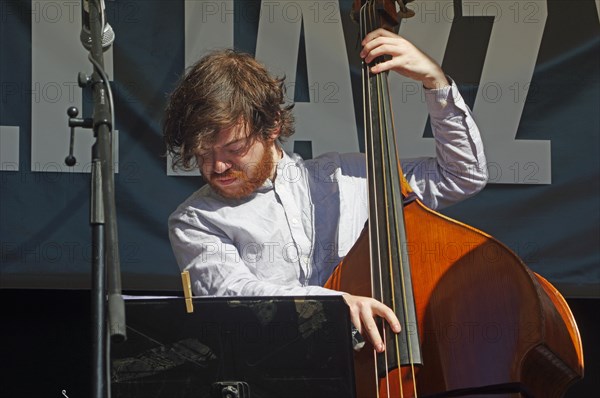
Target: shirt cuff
(445, 101)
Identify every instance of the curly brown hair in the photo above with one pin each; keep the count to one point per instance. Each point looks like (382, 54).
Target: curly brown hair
(222, 89)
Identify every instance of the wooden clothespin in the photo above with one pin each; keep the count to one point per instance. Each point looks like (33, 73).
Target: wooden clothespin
(187, 291)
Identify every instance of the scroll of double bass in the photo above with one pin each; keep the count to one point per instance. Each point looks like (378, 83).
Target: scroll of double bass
(476, 320)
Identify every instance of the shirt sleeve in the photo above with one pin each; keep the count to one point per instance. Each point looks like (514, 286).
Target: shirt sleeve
(215, 265)
(459, 169)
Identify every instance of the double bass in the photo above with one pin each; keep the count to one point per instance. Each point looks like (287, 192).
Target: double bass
(476, 320)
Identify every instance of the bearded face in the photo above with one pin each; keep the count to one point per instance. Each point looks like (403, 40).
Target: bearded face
(236, 164)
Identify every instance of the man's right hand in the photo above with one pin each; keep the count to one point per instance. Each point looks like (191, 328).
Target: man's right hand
(362, 314)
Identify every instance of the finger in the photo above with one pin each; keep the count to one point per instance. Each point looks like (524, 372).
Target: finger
(353, 311)
(377, 33)
(375, 45)
(371, 331)
(383, 49)
(385, 66)
(355, 319)
(391, 319)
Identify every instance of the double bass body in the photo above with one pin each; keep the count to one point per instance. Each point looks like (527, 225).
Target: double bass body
(487, 324)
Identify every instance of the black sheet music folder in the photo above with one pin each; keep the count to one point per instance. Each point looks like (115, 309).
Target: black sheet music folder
(276, 347)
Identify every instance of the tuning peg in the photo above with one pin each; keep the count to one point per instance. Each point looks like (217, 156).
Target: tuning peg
(404, 11)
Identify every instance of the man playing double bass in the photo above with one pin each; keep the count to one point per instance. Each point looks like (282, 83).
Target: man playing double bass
(269, 223)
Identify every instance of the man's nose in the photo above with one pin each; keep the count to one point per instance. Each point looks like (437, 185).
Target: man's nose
(221, 165)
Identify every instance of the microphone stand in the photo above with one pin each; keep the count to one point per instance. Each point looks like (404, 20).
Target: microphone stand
(106, 275)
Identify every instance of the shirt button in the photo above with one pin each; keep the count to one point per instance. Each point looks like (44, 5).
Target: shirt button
(294, 221)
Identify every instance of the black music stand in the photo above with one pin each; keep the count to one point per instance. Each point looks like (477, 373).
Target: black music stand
(235, 347)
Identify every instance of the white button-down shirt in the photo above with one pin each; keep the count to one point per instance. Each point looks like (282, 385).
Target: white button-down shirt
(288, 236)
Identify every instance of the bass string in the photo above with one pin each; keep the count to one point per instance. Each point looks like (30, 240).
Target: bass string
(373, 212)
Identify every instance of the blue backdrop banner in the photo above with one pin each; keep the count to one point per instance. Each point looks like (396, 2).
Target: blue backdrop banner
(528, 68)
